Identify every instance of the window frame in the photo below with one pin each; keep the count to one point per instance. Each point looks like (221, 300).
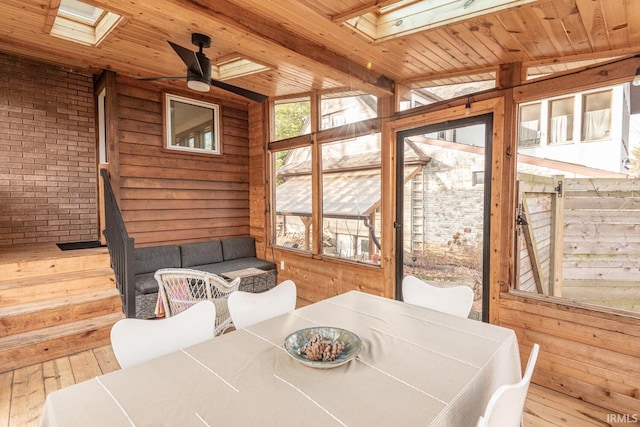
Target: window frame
(614, 90)
(78, 28)
(315, 139)
(345, 221)
(570, 125)
(539, 130)
(583, 112)
(216, 140)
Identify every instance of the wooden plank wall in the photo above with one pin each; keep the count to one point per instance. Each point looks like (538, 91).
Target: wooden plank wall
(602, 241)
(318, 278)
(169, 197)
(585, 353)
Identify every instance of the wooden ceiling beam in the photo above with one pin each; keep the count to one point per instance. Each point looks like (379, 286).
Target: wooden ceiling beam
(248, 22)
(469, 74)
(361, 10)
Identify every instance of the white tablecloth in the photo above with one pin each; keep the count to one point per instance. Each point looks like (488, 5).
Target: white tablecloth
(417, 367)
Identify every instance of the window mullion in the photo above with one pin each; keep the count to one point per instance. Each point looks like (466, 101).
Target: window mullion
(316, 177)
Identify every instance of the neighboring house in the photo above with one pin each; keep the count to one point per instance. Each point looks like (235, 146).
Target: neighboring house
(351, 188)
(351, 180)
(589, 128)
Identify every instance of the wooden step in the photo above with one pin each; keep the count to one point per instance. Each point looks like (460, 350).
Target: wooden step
(27, 290)
(57, 341)
(22, 265)
(27, 317)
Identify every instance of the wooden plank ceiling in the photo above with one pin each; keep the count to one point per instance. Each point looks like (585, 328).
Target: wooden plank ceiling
(310, 47)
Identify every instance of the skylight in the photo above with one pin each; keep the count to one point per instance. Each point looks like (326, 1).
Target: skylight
(389, 19)
(80, 12)
(82, 23)
(235, 65)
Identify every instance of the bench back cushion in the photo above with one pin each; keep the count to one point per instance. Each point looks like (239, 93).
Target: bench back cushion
(201, 253)
(238, 247)
(151, 259)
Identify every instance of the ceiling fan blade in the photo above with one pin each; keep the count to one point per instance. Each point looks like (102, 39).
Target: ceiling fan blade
(189, 57)
(258, 97)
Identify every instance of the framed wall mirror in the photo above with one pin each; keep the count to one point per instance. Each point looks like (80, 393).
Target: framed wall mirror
(192, 125)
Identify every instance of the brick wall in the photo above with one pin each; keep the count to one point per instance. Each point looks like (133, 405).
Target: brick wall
(47, 154)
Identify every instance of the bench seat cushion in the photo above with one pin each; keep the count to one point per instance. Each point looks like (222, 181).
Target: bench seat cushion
(238, 247)
(146, 283)
(201, 253)
(151, 259)
(215, 257)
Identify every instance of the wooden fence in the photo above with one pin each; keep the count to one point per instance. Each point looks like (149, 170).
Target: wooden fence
(579, 238)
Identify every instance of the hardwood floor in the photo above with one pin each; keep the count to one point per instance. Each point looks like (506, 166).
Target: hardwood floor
(23, 392)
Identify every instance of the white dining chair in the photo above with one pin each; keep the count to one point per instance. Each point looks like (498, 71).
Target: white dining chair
(247, 308)
(138, 340)
(506, 406)
(456, 300)
(181, 288)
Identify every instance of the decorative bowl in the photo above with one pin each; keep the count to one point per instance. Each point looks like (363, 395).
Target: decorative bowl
(296, 341)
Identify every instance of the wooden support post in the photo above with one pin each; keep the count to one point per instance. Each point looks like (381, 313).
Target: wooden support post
(509, 75)
(307, 221)
(557, 238)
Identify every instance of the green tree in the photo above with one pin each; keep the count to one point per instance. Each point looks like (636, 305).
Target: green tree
(280, 156)
(290, 118)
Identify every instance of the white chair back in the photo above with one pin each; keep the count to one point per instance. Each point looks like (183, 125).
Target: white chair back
(506, 406)
(181, 288)
(456, 300)
(247, 308)
(138, 340)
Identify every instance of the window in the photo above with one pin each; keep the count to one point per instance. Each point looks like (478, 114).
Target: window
(340, 109)
(103, 153)
(292, 198)
(477, 178)
(575, 244)
(236, 65)
(351, 187)
(291, 117)
(82, 23)
(404, 17)
(596, 119)
(192, 125)
(349, 224)
(529, 133)
(561, 120)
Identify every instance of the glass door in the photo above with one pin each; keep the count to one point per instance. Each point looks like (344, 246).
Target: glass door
(442, 200)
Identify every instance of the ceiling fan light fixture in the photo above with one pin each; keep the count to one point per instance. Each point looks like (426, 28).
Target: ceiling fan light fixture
(197, 85)
(197, 82)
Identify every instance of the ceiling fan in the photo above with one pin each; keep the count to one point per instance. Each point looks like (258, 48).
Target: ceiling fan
(199, 70)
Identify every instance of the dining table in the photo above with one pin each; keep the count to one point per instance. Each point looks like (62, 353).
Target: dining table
(415, 367)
